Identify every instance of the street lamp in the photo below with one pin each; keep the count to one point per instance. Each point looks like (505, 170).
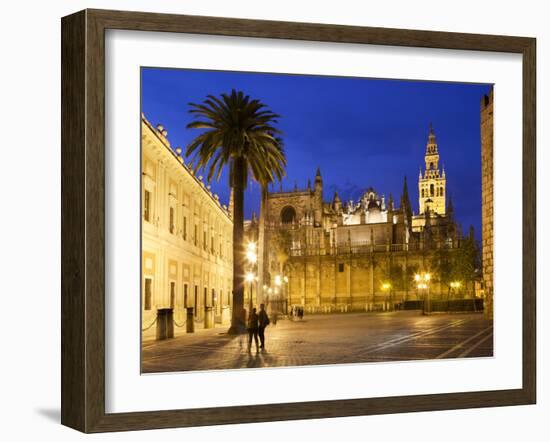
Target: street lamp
(252, 258)
(422, 283)
(278, 280)
(455, 284)
(250, 277)
(386, 288)
(251, 254)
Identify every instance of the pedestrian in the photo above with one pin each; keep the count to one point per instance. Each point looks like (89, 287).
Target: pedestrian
(252, 327)
(263, 322)
(301, 313)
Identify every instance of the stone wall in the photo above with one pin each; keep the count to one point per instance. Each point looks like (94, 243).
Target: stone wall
(331, 283)
(487, 199)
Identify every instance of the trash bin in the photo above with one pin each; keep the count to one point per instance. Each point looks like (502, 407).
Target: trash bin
(190, 322)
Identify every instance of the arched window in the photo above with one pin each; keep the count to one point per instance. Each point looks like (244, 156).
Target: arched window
(431, 166)
(422, 193)
(431, 190)
(441, 191)
(288, 215)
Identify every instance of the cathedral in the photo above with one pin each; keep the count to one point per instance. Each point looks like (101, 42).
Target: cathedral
(329, 256)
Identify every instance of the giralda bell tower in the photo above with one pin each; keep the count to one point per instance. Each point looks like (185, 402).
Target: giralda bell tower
(431, 186)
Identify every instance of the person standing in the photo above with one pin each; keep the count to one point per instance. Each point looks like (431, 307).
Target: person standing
(263, 322)
(252, 327)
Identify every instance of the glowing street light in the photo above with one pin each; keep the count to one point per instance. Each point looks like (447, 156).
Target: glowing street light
(386, 288)
(422, 283)
(422, 277)
(251, 254)
(278, 280)
(251, 257)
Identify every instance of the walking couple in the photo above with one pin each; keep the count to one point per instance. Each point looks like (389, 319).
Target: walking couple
(256, 324)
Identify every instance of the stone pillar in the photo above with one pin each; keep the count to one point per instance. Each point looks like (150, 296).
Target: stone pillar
(190, 321)
(208, 317)
(487, 200)
(169, 322)
(161, 324)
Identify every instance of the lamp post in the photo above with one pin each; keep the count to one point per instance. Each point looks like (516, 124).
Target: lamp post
(250, 277)
(422, 283)
(285, 295)
(386, 288)
(278, 282)
(455, 285)
(252, 258)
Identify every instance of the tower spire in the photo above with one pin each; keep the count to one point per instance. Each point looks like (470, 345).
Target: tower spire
(431, 145)
(432, 184)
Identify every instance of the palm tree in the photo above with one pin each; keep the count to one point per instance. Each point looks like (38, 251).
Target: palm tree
(238, 134)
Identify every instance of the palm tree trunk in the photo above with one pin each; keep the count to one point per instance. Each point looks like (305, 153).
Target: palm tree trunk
(261, 245)
(238, 314)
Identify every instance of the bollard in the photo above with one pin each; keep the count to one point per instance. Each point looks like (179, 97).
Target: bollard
(161, 324)
(226, 314)
(169, 322)
(190, 323)
(208, 320)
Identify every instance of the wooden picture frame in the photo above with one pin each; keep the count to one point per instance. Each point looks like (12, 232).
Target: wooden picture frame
(83, 220)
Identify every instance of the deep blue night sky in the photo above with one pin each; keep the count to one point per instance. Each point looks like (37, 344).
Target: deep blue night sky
(360, 132)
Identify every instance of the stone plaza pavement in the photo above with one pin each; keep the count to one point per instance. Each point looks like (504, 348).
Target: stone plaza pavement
(328, 339)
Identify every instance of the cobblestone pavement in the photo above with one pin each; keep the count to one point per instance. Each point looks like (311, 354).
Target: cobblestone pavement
(328, 339)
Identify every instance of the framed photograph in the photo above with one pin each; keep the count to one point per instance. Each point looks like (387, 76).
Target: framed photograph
(267, 221)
